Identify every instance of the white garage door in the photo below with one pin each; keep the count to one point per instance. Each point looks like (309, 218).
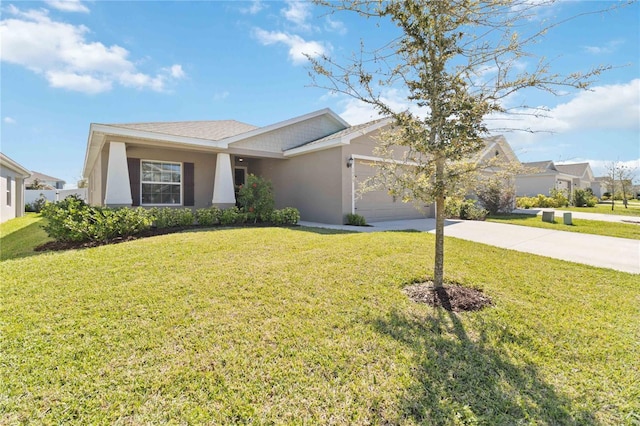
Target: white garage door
(377, 206)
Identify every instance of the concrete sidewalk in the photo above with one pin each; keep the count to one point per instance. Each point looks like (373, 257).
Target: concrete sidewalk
(607, 252)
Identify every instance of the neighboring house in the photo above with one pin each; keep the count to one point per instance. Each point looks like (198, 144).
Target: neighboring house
(315, 162)
(541, 177)
(12, 177)
(49, 182)
(600, 185)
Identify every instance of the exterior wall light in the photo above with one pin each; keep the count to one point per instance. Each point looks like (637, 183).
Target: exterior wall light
(350, 163)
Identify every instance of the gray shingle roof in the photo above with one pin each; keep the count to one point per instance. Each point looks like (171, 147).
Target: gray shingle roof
(540, 165)
(576, 169)
(210, 130)
(42, 178)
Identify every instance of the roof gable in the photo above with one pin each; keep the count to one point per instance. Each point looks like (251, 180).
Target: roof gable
(576, 169)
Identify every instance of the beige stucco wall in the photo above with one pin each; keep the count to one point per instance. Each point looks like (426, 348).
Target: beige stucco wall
(16, 206)
(204, 169)
(312, 183)
(532, 185)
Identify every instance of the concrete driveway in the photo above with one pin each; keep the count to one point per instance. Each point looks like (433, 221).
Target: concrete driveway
(620, 254)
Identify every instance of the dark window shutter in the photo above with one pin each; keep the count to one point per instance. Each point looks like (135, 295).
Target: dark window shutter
(134, 179)
(188, 190)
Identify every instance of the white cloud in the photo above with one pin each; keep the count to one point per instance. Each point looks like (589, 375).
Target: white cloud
(610, 107)
(609, 47)
(298, 47)
(256, 7)
(78, 82)
(357, 112)
(177, 71)
(298, 12)
(9, 120)
(334, 26)
(60, 52)
(68, 5)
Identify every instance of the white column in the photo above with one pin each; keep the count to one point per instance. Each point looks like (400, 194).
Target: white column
(223, 190)
(118, 191)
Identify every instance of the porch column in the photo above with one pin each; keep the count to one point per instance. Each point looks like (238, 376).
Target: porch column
(223, 191)
(118, 190)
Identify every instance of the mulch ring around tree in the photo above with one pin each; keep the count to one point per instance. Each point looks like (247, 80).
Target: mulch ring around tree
(451, 297)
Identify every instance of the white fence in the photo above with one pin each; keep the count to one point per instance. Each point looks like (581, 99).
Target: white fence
(30, 195)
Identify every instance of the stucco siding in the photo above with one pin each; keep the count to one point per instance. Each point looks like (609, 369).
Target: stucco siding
(15, 192)
(530, 186)
(290, 136)
(312, 183)
(204, 168)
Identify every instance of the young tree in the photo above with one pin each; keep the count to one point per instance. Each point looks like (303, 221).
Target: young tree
(622, 175)
(456, 61)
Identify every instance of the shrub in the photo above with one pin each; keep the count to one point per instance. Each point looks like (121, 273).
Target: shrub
(525, 202)
(168, 217)
(496, 196)
(208, 217)
(470, 211)
(73, 220)
(559, 197)
(37, 205)
(256, 198)
(286, 216)
(232, 216)
(592, 201)
(452, 207)
(356, 220)
(579, 197)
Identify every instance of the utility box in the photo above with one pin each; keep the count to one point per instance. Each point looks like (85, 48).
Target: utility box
(567, 218)
(548, 217)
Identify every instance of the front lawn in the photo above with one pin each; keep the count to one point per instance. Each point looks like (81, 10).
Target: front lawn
(618, 209)
(595, 227)
(19, 236)
(294, 326)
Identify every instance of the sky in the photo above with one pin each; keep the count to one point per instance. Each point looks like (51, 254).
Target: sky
(66, 64)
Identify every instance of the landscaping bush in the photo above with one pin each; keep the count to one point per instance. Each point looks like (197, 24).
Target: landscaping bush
(579, 197)
(37, 205)
(72, 220)
(496, 197)
(558, 199)
(458, 208)
(286, 216)
(208, 217)
(232, 216)
(469, 210)
(168, 217)
(256, 199)
(356, 220)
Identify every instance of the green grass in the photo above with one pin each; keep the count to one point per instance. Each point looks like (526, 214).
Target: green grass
(595, 227)
(618, 209)
(294, 326)
(19, 236)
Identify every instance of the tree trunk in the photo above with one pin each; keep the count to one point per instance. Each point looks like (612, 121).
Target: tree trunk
(438, 268)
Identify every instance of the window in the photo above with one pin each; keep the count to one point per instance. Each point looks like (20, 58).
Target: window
(9, 188)
(161, 183)
(239, 175)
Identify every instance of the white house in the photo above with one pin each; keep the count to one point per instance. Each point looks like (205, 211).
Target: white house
(12, 176)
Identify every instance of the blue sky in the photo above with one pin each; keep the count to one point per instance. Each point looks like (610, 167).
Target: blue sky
(66, 64)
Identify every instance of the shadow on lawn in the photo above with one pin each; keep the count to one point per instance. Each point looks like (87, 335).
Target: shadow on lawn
(21, 242)
(467, 381)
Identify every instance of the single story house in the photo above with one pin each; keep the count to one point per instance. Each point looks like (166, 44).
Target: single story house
(49, 182)
(12, 177)
(541, 177)
(316, 163)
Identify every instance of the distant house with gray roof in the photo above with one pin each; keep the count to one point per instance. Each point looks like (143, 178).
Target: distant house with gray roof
(541, 177)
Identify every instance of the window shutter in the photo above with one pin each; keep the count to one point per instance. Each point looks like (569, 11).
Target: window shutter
(134, 179)
(188, 190)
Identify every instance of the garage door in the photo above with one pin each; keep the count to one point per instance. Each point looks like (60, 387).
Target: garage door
(377, 206)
